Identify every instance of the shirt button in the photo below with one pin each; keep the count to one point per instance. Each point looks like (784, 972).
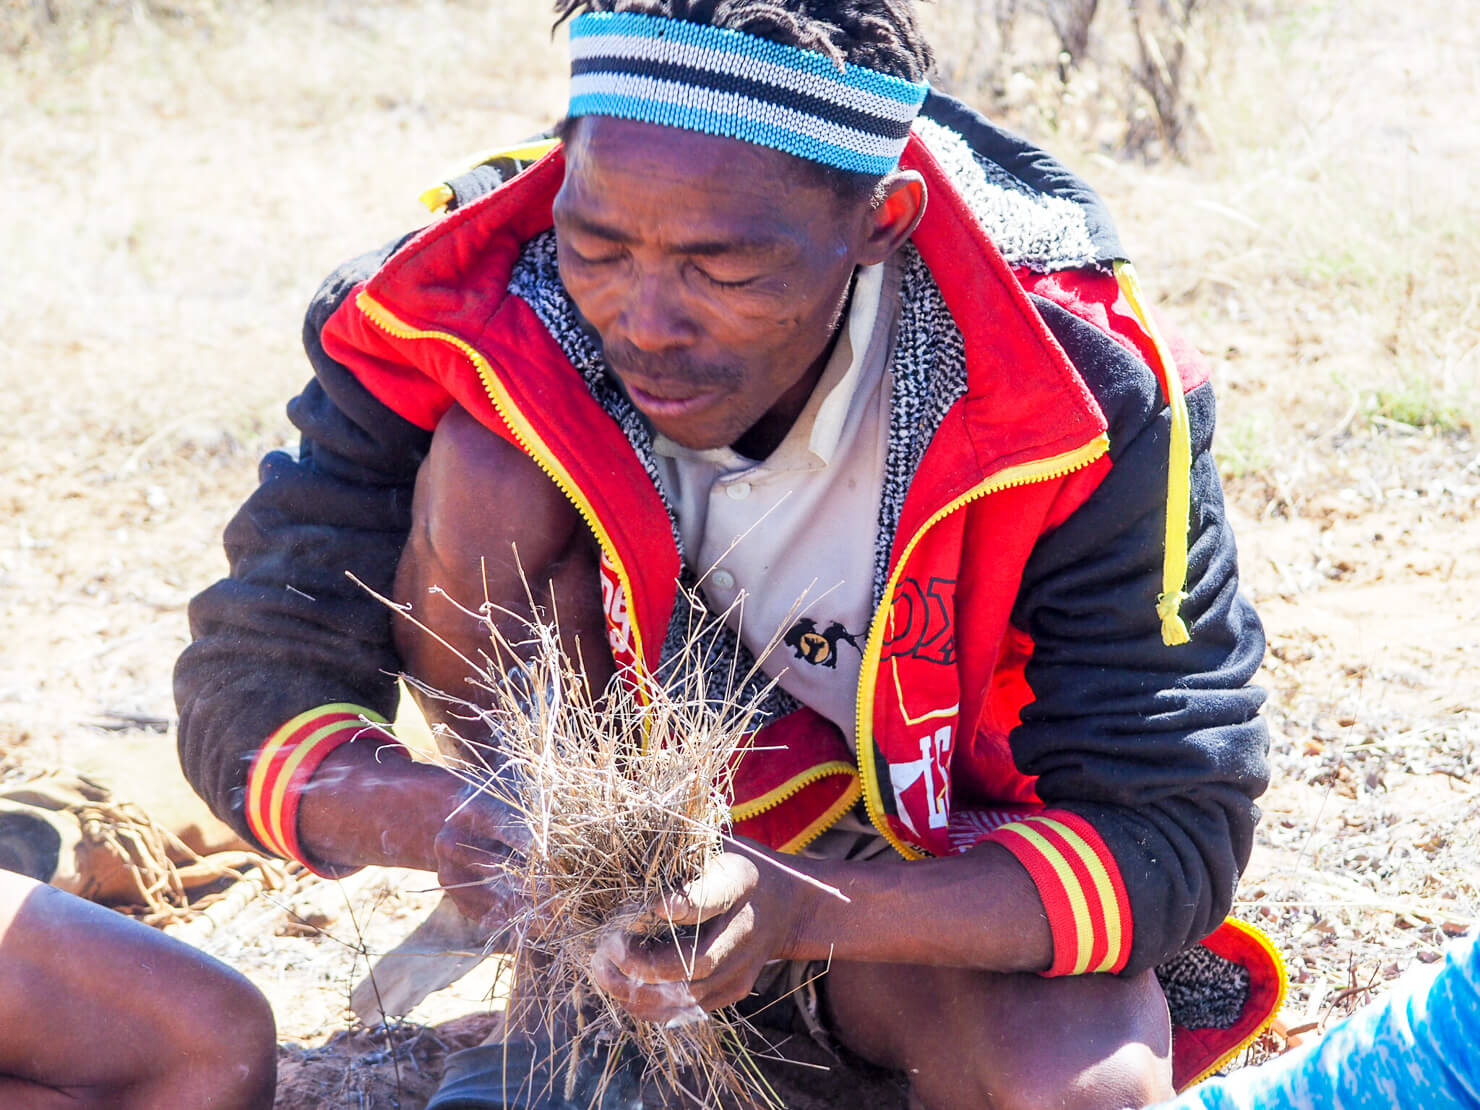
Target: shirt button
(738, 491)
(723, 580)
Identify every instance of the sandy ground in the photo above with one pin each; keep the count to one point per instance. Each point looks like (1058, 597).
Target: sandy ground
(175, 199)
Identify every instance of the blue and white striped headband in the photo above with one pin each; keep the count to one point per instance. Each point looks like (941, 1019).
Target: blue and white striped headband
(722, 82)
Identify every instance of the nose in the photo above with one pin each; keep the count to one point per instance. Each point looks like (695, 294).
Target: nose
(653, 318)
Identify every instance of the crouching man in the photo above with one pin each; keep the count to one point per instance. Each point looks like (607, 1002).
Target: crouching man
(772, 318)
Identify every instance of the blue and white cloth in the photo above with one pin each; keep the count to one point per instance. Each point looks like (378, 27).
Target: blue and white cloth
(722, 82)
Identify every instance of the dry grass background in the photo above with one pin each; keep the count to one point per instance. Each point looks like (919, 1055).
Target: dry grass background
(177, 180)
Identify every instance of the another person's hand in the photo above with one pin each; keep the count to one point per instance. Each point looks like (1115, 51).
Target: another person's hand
(741, 913)
(473, 849)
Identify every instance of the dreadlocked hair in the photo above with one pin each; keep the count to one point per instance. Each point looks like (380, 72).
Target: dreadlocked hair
(881, 35)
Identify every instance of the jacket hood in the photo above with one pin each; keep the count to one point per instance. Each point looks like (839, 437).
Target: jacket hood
(1038, 213)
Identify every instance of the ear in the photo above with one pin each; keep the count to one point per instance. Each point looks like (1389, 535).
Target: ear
(893, 217)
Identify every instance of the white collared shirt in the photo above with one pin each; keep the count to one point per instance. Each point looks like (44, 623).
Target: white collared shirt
(786, 544)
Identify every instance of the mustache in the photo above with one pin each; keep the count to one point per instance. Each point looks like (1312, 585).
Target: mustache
(677, 368)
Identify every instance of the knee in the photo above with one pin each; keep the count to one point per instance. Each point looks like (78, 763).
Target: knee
(1096, 1043)
(243, 1014)
(224, 1039)
(1112, 1050)
(476, 495)
(469, 483)
(1134, 1076)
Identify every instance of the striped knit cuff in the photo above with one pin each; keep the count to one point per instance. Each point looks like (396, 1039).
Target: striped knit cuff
(1082, 891)
(283, 766)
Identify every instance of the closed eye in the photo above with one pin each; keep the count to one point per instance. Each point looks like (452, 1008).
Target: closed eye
(589, 261)
(724, 284)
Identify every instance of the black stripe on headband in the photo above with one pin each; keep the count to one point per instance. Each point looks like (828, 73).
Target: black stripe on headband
(763, 91)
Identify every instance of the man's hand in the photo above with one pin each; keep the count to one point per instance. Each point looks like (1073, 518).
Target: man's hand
(472, 850)
(741, 913)
(359, 810)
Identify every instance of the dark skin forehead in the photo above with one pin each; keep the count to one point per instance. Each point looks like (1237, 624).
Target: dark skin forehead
(696, 194)
(715, 272)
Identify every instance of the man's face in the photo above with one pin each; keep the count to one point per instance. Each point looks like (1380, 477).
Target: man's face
(714, 271)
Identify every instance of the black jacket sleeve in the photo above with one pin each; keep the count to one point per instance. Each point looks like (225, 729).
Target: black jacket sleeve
(1159, 748)
(288, 630)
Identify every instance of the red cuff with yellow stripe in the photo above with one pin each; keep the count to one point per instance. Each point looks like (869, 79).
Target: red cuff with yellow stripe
(1080, 884)
(288, 760)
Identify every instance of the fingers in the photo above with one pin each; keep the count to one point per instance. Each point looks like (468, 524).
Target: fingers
(481, 817)
(464, 856)
(712, 963)
(651, 982)
(655, 1002)
(482, 894)
(698, 958)
(473, 850)
(475, 872)
(489, 886)
(725, 882)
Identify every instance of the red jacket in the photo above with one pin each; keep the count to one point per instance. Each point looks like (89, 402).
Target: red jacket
(1015, 686)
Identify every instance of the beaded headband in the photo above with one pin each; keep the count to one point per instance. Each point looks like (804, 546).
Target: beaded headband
(729, 83)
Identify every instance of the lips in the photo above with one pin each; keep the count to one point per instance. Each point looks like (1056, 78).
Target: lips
(666, 401)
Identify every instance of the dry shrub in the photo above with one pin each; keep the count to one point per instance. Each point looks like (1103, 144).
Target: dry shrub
(625, 801)
(1124, 76)
(80, 24)
(86, 28)
(1165, 56)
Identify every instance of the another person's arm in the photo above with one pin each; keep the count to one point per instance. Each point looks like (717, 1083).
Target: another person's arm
(97, 1010)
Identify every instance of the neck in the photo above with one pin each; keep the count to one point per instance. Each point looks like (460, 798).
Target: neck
(767, 433)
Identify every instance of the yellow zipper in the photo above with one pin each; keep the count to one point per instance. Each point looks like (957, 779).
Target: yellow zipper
(770, 800)
(773, 798)
(1263, 938)
(1040, 470)
(1179, 467)
(524, 434)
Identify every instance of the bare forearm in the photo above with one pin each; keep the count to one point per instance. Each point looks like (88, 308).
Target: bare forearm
(361, 810)
(979, 910)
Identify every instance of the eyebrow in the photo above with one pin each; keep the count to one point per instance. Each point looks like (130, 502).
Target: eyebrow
(706, 248)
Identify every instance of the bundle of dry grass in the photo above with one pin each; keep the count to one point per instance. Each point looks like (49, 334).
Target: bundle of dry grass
(625, 799)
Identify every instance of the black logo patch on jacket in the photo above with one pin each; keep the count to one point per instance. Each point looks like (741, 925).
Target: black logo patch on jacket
(819, 648)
